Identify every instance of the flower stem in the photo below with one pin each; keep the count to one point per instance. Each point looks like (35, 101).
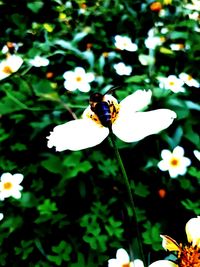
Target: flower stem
(132, 204)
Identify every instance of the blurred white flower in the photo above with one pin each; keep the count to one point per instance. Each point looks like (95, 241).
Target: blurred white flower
(174, 162)
(78, 79)
(122, 259)
(189, 80)
(10, 185)
(125, 120)
(10, 46)
(39, 61)
(146, 60)
(10, 65)
(125, 43)
(197, 154)
(1, 216)
(122, 69)
(194, 6)
(177, 47)
(172, 83)
(153, 41)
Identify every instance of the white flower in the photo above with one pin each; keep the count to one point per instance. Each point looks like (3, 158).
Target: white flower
(1, 216)
(174, 162)
(177, 47)
(125, 43)
(10, 65)
(122, 259)
(188, 79)
(39, 61)
(126, 122)
(10, 185)
(188, 255)
(172, 83)
(78, 79)
(122, 69)
(197, 154)
(153, 41)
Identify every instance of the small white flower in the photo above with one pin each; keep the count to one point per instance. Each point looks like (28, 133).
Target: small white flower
(125, 43)
(125, 120)
(10, 185)
(10, 65)
(39, 61)
(172, 83)
(197, 154)
(174, 162)
(78, 79)
(122, 69)
(177, 47)
(122, 259)
(1, 216)
(188, 79)
(153, 41)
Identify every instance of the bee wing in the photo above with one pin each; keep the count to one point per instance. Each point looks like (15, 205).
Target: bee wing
(76, 135)
(136, 126)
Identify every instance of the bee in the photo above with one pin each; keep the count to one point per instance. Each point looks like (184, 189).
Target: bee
(103, 108)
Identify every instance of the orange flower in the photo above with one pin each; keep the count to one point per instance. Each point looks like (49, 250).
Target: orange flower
(156, 6)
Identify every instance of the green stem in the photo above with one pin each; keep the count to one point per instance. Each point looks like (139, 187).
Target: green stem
(132, 204)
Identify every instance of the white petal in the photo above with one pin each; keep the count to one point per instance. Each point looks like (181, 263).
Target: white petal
(163, 166)
(113, 263)
(197, 154)
(84, 87)
(138, 263)
(163, 263)
(18, 177)
(178, 151)
(141, 124)
(90, 77)
(166, 154)
(192, 229)
(122, 256)
(70, 85)
(136, 101)
(1, 216)
(6, 177)
(16, 194)
(77, 135)
(173, 172)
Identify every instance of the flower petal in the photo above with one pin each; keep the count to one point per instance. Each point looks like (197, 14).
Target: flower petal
(163, 263)
(192, 229)
(135, 102)
(77, 135)
(169, 243)
(178, 151)
(122, 256)
(138, 263)
(141, 124)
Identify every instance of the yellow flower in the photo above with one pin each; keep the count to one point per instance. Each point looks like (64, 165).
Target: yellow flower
(189, 254)
(125, 120)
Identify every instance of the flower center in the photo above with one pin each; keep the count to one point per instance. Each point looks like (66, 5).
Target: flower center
(7, 70)
(78, 78)
(126, 265)
(189, 256)
(7, 186)
(174, 162)
(171, 83)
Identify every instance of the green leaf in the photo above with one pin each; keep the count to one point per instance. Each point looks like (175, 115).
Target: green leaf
(35, 6)
(137, 79)
(47, 208)
(53, 164)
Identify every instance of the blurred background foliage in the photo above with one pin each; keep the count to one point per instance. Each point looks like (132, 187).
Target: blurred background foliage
(72, 210)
